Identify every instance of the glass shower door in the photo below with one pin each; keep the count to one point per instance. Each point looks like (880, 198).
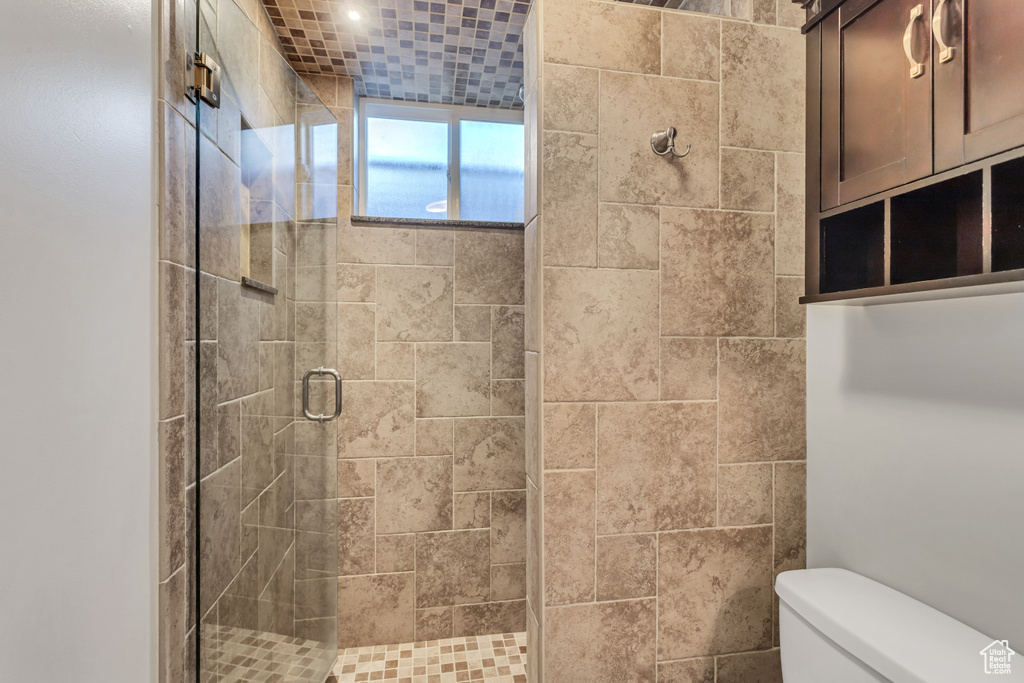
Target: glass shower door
(265, 585)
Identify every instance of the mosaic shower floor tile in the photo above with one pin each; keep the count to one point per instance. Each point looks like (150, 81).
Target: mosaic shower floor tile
(491, 659)
(238, 655)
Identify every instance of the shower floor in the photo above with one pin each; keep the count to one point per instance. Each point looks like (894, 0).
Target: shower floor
(237, 655)
(493, 659)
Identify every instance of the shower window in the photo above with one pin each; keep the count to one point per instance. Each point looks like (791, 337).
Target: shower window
(428, 161)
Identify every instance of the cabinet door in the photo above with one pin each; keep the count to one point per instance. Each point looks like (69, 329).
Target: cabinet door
(876, 98)
(979, 79)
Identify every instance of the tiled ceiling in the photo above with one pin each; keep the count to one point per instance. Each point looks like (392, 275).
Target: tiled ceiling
(463, 52)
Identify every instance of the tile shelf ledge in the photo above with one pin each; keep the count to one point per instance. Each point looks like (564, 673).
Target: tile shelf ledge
(256, 284)
(435, 223)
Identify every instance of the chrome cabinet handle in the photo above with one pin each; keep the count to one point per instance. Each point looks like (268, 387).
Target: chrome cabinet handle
(916, 67)
(945, 51)
(319, 372)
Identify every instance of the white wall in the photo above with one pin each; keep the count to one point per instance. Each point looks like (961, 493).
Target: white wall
(77, 569)
(916, 452)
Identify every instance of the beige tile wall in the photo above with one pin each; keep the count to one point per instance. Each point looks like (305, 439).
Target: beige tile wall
(664, 342)
(431, 444)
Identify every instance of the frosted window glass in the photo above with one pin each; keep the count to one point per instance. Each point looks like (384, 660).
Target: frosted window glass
(491, 171)
(406, 168)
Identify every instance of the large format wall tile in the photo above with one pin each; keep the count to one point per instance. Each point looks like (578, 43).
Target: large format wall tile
(355, 536)
(790, 516)
(790, 314)
(600, 335)
(356, 283)
(606, 36)
(570, 94)
(452, 568)
(220, 525)
(569, 199)
(453, 380)
(627, 566)
(377, 421)
(656, 466)
(414, 494)
(748, 180)
(390, 598)
(237, 342)
(697, 670)
(356, 478)
(473, 510)
(745, 494)
(762, 87)
(628, 236)
(508, 527)
(507, 342)
(434, 436)
(489, 267)
(434, 623)
(490, 617)
(508, 397)
(489, 453)
(714, 591)
(692, 49)
(508, 581)
(612, 641)
(357, 244)
(355, 341)
(716, 276)
(534, 427)
(435, 248)
(789, 229)
(472, 323)
(414, 304)
(750, 667)
(570, 436)
(569, 537)
(532, 286)
(689, 369)
(762, 389)
(633, 107)
(221, 213)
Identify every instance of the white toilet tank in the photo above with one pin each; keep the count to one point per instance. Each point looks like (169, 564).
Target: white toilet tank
(840, 627)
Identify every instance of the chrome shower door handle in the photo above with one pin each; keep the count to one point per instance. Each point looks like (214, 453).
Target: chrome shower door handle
(319, 372)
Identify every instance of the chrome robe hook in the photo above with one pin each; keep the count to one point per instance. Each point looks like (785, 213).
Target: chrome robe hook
(664, 143)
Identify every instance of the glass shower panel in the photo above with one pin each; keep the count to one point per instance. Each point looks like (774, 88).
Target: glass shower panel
(266, 535)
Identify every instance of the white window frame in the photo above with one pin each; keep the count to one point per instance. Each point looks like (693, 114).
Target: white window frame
(421, 111)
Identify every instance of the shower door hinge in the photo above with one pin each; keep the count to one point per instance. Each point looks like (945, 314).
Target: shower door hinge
(202, 78)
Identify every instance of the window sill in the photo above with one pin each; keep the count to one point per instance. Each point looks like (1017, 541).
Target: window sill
(434, 223)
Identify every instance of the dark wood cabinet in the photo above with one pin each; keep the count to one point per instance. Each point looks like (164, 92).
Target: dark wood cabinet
(915, 143)
(979, 79)
(876, 98)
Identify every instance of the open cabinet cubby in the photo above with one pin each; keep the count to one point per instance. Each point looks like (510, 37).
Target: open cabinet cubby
(937, 231)
(957, 229)
(853, 249)
(1008, 216)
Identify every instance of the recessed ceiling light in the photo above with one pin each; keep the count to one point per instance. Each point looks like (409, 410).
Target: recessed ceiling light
(353, 15)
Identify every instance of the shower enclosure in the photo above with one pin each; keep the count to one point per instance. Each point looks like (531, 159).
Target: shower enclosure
(265, 575)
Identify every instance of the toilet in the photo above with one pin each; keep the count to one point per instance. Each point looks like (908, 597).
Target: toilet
(840, 627)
